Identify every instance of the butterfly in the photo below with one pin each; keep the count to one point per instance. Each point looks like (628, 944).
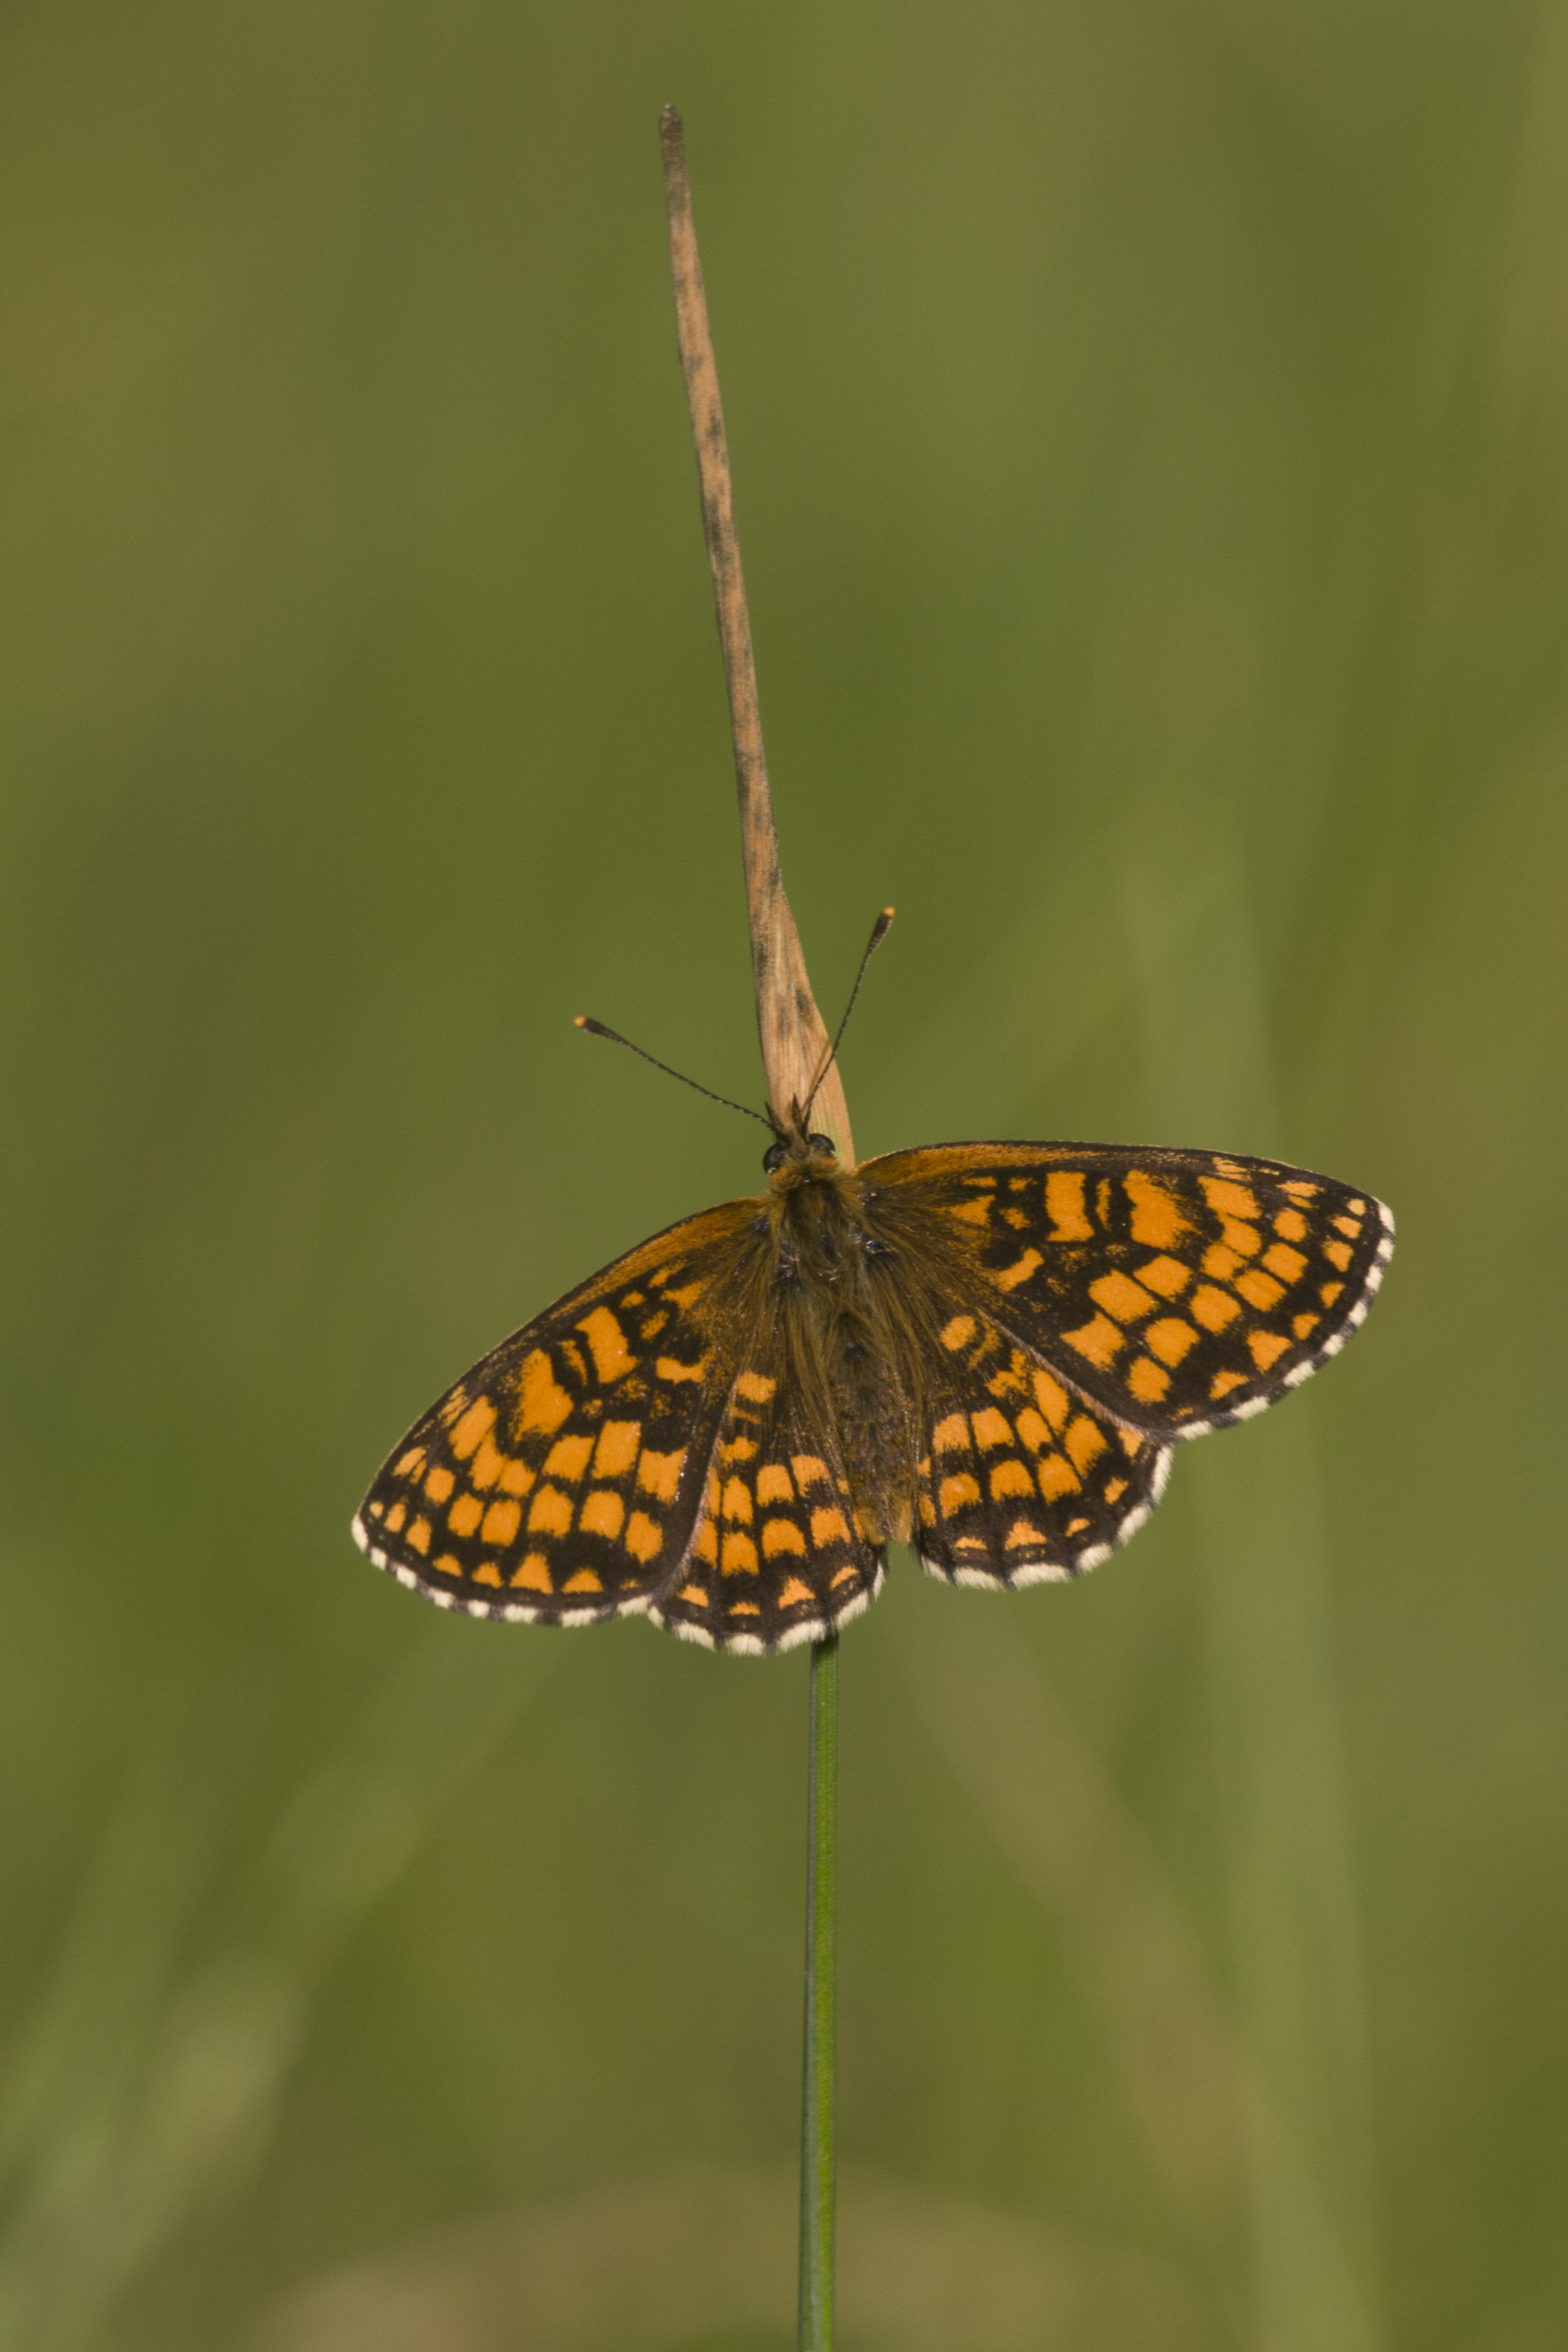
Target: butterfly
(985, 1351)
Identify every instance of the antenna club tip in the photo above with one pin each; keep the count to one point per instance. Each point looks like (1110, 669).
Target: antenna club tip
(888, 913)
(579, 1019)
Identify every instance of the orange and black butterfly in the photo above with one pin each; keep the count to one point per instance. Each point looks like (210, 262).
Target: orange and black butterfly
(987, 1350)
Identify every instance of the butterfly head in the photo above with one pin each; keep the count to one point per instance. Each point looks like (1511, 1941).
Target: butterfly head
(798, 1157)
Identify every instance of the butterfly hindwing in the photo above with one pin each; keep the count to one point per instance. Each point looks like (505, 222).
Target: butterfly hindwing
(777, 1557)
(560, 1480)
(1177, 1290)
(1021, 1481)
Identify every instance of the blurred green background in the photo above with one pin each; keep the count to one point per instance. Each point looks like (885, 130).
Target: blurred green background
(1151, 433)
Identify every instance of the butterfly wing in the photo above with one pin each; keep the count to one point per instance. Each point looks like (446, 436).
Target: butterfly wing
(777, 1557)
(560, 1481)
(1021, 1481)
(1175, 1290)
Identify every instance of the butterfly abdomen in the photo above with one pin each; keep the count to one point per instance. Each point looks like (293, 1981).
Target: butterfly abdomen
(843, 1325)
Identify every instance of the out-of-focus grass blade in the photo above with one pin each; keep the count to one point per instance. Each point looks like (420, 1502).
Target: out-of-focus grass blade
(113, 2156)
(1295, 1937)
(706, 2259)
(83, 2052)
(1045, 1799)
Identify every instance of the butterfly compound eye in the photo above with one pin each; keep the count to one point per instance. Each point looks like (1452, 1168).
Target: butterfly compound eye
(774, 1157)
(823, 1143)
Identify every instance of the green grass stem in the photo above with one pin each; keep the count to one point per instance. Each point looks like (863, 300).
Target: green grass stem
(817, 2183)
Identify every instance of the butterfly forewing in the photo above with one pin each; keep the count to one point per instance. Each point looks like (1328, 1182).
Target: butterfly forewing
(1177, 1290)
(561, 1479)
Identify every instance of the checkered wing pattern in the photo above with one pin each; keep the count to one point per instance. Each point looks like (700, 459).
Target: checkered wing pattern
(1023, 1481)
(561, 1479)
(779, 1555)
(1174, 1290)
(987, 1349)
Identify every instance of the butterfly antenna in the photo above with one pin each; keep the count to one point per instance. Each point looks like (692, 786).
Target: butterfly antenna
(598, 1029)
(879, 931)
